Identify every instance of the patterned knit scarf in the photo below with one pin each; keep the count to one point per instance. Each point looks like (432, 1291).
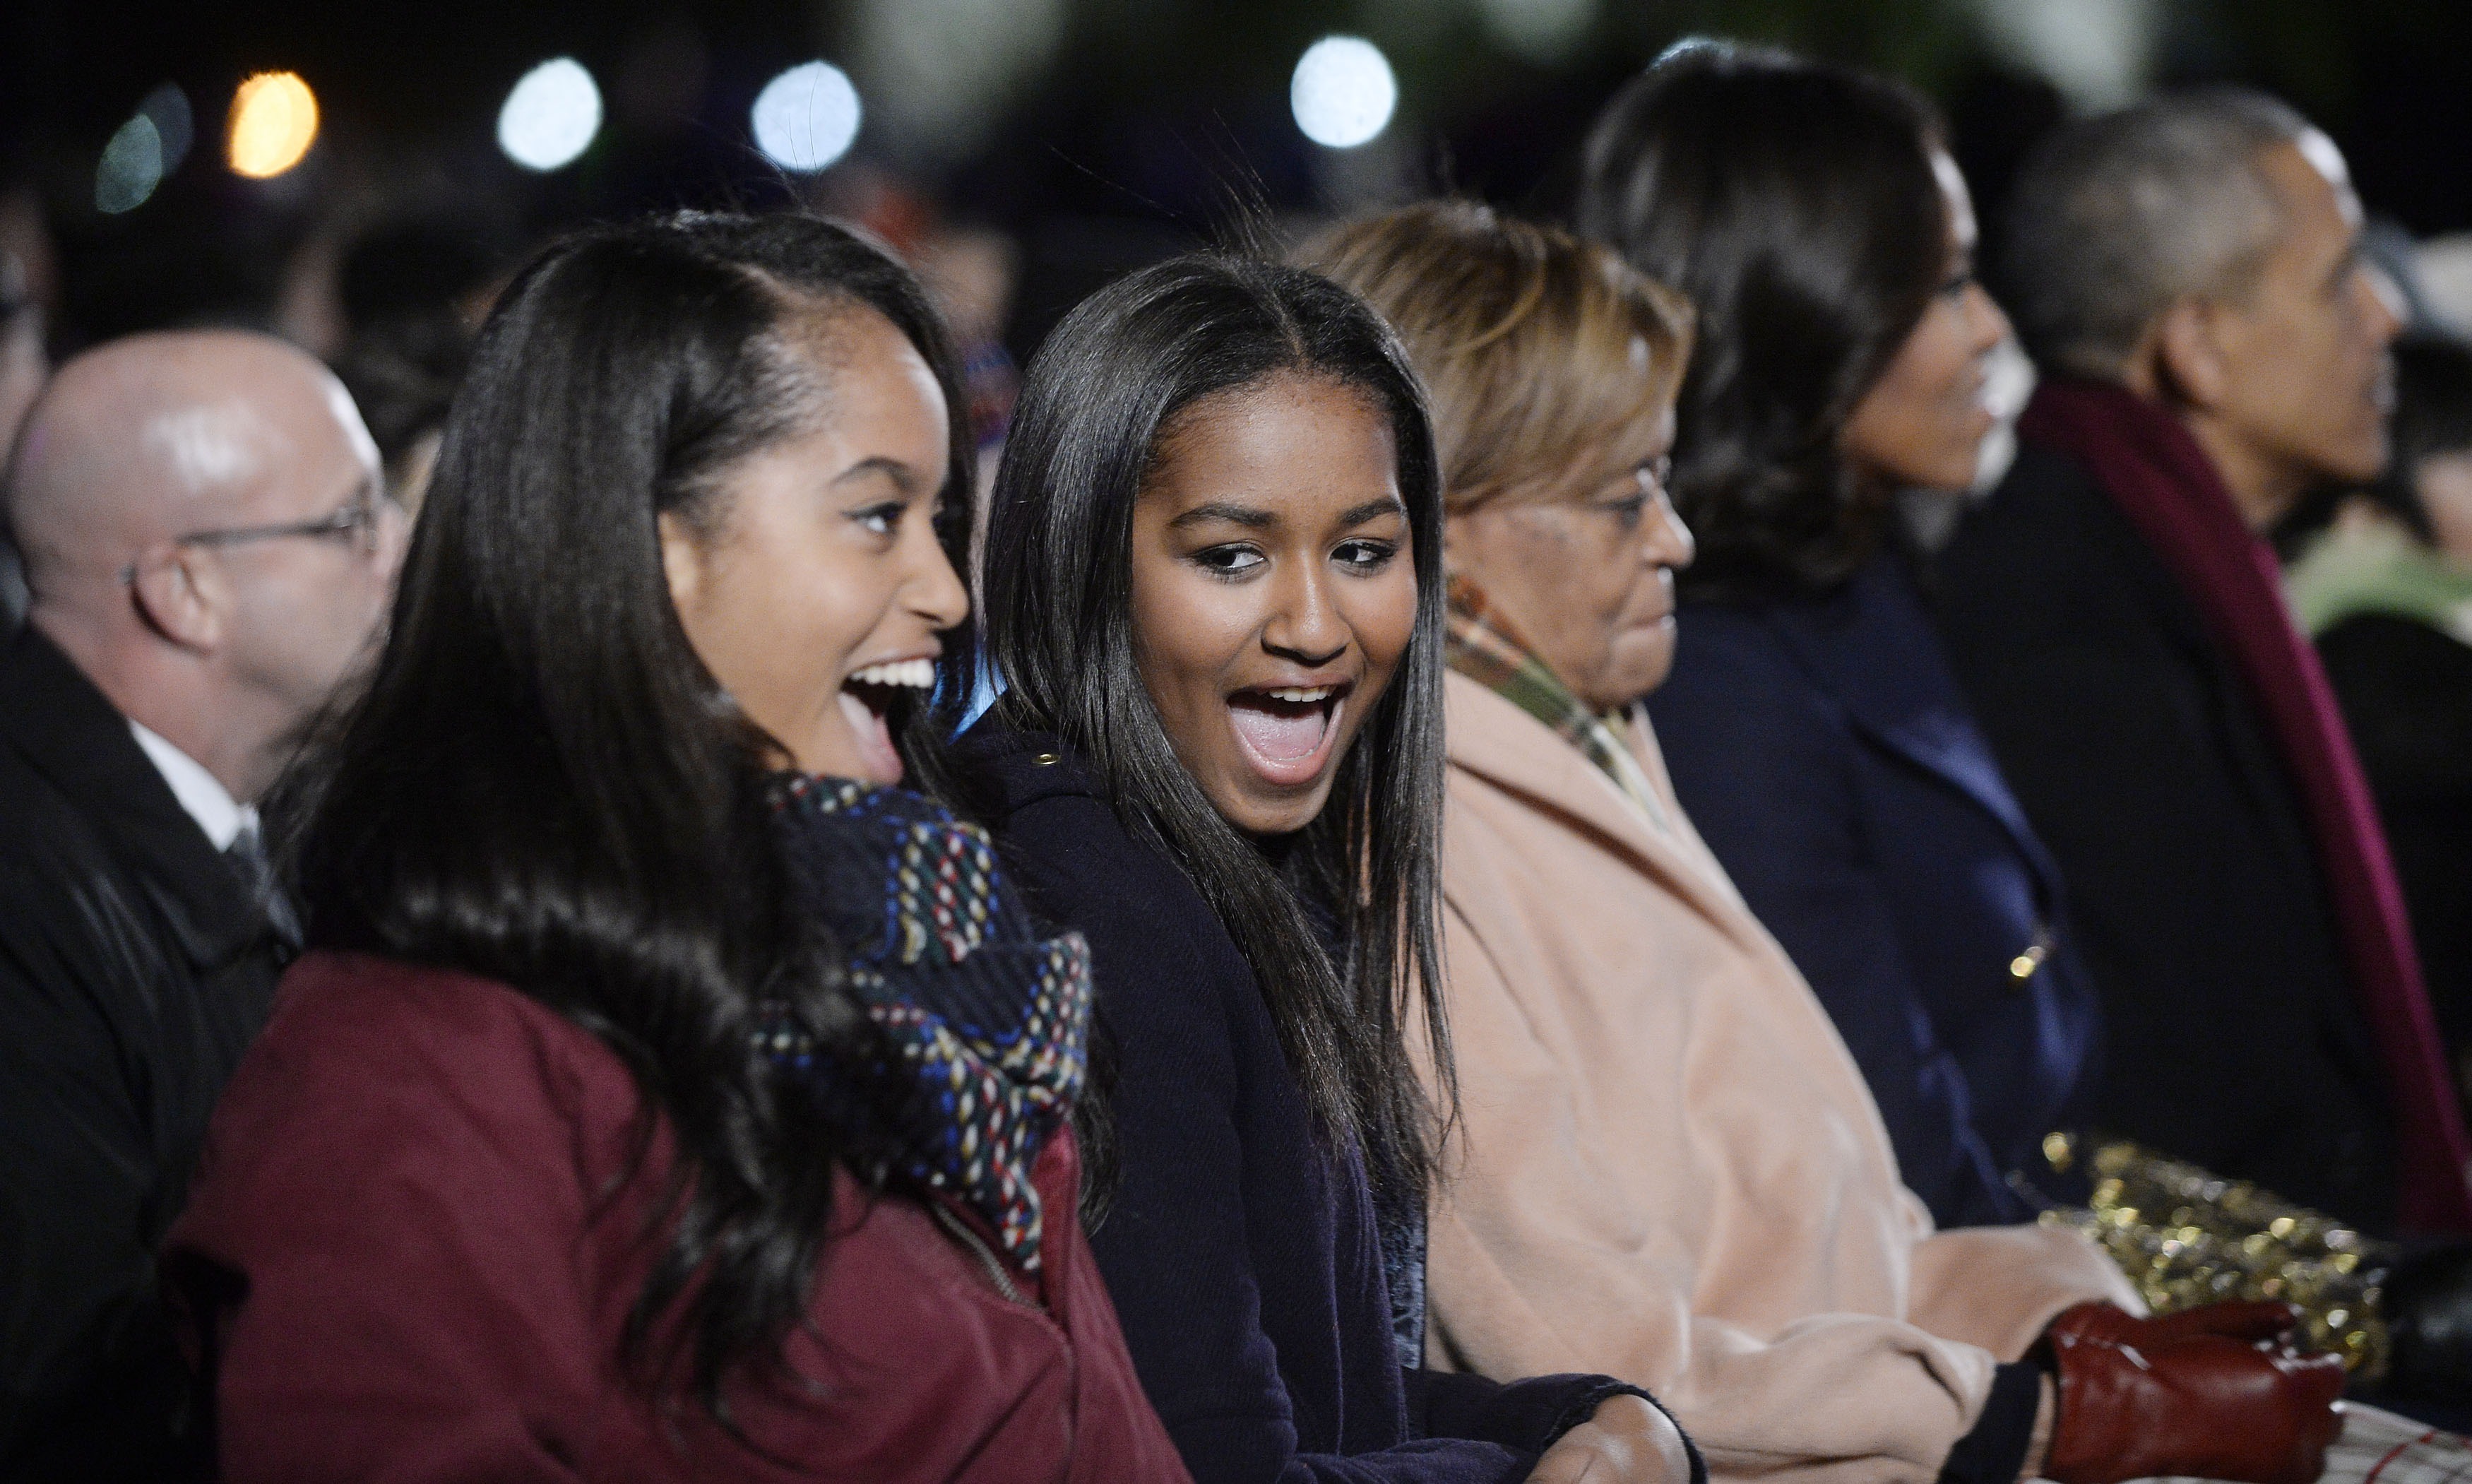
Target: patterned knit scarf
(1481, 649)
(986, 1023)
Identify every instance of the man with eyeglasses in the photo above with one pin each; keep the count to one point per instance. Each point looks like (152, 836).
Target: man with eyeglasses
(208, 554)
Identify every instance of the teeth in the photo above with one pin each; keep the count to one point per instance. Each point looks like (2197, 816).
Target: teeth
(916, 674)
(1296, 693)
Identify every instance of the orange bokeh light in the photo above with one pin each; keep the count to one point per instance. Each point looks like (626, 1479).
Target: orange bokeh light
(273, 122)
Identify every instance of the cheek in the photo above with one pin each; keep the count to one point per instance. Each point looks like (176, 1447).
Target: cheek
(781, 621)
(1941, 380)
(1386, 616)
(1186, 630)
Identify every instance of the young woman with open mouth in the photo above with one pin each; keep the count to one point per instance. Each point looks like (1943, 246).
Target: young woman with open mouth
(606, 1132)
(1212, 595)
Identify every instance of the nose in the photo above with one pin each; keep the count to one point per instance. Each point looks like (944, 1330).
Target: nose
(1305, 624)
(1991, 325)
(933, 590)
(2384, 302)
(1670, 542)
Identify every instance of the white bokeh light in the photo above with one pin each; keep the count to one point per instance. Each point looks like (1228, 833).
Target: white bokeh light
(1344, 93)
(132, 167)
(551, 116)
(807, 117)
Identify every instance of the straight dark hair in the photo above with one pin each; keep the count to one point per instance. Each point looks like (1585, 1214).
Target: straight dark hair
(1103, 394)
(543, 784)
(1795, 204)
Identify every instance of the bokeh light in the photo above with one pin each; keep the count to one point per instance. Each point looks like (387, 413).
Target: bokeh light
(1544, 32)
(132, 167)
(551, 116)
(807, 117)
(1344, 92)
(273, 122)
(167, 107)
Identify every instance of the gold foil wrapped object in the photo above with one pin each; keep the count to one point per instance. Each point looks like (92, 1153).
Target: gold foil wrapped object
(2186, 1236)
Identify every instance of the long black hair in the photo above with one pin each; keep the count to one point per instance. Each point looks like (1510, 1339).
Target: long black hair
(1795, 206)
(1108, 384)
(544, 785)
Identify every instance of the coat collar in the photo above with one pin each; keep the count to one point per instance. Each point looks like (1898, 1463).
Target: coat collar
(1493, 739)
(1872, 650)
(56, 720)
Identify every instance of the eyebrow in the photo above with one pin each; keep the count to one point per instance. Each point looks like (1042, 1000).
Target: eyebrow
(900, 473)
(1244, 516)
(1387, 505)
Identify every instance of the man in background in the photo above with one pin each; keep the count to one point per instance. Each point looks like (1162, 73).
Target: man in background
(208, 552)
(2188, 276)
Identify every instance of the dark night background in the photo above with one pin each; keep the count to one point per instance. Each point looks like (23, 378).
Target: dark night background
(1122, 130)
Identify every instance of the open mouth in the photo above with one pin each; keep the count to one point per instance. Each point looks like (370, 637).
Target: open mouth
(1288, 733)
(876, 700)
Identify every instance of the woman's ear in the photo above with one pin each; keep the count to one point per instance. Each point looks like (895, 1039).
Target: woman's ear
(682, 560)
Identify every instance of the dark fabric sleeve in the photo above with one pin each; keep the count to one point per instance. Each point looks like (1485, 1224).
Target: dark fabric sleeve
(2192, 889)
(1176, 1244)
(1532, 1414)
(463, 1309)
(86, 1353)
(1764, 770)
(1994, 1452)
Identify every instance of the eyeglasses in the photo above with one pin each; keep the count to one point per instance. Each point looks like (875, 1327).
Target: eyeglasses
(356, 521)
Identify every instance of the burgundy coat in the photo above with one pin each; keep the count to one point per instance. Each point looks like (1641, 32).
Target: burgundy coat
(402, 1179)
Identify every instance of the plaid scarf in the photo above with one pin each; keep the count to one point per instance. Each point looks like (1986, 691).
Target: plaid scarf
(987, 1024)
(1483, 649)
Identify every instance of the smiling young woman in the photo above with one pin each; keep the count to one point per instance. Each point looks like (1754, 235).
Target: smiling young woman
(605, 1131)
(1273, 592)
(1214, 594)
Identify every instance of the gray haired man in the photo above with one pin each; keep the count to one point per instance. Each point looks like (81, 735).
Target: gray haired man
(2188, 276)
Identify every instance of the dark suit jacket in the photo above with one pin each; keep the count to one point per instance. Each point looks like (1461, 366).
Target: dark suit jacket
(2133, 743)
(1243, 1259)
(1824, 752)
(2406, 689)
(133, 970)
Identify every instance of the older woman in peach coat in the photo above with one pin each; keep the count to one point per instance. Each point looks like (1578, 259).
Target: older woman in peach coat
(1665, 1165)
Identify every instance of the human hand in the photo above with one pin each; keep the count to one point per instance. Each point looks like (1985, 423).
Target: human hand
(1625, 1441)
(2218, 1395)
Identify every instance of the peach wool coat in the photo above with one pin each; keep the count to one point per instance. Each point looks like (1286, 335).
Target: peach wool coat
(1667, 1166)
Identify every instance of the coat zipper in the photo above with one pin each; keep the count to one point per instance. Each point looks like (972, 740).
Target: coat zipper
(988, 1259)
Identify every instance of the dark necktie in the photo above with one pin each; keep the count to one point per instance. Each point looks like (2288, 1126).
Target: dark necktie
(247, 856)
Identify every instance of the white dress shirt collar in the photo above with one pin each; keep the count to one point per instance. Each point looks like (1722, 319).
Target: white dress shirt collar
(208, 801)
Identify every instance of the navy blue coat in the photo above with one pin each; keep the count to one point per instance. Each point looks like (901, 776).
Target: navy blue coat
(1244, 1260)
(1824, 750)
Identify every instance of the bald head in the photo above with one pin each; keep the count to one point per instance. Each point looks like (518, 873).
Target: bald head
(205, 536)
(151, 438)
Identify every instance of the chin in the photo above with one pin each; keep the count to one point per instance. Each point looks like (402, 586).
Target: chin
(1255, 814)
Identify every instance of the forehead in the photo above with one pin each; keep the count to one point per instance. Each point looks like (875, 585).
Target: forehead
(1960, 201)
(1281, 439)
(2313, 190)
(864, 377)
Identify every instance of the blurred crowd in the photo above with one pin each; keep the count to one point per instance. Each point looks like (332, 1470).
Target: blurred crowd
(1773, 833)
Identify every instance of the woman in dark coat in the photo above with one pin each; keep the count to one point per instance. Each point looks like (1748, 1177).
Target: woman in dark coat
(1814, 732)
(1212, 595)
(609, 1130)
